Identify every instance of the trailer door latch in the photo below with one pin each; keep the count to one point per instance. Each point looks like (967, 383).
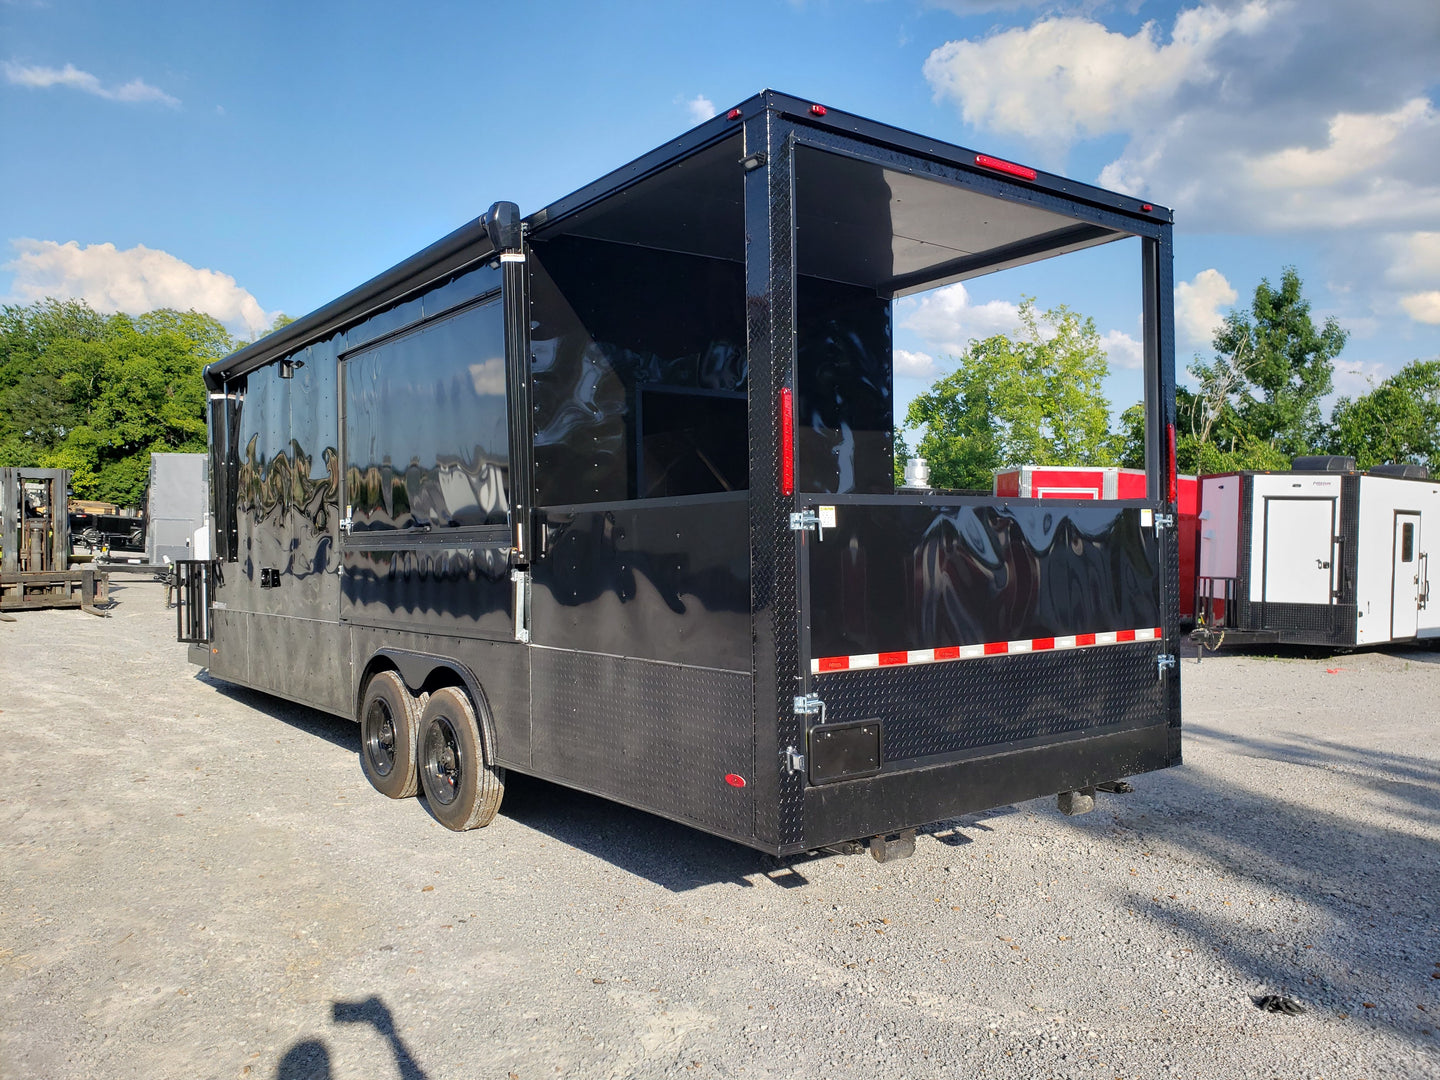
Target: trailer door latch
(1162, 662)
(347, 523)
(810, 705)
(1164, 521)
(801, 520)
(794, 760)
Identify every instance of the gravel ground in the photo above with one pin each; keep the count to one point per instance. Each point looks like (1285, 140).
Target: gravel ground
(196, 880)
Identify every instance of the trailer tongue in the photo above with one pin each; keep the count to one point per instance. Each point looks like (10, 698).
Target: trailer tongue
(608, 496)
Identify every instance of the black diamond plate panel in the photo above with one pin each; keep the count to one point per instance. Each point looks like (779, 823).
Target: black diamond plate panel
(658, 736)
(770, 322)
(972, 705)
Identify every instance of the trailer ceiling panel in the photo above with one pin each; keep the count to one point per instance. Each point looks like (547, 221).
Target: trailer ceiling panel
(695, 206)
(868, 224)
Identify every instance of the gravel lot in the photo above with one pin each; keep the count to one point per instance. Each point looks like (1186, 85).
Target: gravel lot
(196, 880)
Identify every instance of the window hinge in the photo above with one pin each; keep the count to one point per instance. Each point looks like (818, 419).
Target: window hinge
(810, 705)
(521, 580)
(1162, 662)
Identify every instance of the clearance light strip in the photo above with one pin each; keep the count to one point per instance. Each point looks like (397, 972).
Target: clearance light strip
(976, 652)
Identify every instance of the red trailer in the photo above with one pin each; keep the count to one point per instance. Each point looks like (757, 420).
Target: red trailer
(1096, 482)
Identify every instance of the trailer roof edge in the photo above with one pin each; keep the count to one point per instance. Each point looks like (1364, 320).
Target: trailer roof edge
(468, 244)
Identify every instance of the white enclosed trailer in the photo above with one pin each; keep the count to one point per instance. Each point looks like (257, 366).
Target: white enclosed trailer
(1320, 555)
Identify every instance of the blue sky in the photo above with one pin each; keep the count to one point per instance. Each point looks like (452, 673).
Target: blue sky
(247, 159)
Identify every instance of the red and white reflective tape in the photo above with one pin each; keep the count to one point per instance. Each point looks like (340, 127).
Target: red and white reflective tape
(975, 652)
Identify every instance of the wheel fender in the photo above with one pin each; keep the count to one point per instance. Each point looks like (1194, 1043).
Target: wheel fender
(416, 668)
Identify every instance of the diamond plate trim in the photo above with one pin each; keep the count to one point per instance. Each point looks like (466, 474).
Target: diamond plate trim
(940, 709)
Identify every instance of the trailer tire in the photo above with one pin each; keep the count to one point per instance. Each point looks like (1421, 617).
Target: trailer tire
(389, 725)
(461, 789)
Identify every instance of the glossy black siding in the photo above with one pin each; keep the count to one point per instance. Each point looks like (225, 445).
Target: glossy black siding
(894, 577)
(662, 580)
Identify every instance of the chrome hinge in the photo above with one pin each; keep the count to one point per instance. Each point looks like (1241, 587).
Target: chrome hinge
(1164, 521)
(810, 705)
(347, 522)
(1162, 662)
(794, 760)
(521, 580)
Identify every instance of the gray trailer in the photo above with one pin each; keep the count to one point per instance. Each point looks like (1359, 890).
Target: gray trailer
(178, 509)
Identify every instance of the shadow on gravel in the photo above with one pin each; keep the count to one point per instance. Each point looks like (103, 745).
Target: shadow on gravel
(309, 1059)
(1369, 934)
(336, 730)
(673, 856)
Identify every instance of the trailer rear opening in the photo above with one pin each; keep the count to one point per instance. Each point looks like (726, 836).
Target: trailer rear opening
(605, 494)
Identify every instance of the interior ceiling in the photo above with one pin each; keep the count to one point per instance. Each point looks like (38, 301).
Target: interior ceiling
(855, 221)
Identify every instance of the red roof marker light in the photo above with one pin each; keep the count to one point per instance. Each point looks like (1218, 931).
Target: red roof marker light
(817, 110)
(733, 114)
(985, 161)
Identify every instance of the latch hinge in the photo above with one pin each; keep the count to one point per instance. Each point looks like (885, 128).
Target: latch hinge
(1163, 662)
(347, 523)
(810, 705)
(1164, 521)
(801, 520)
(794, 760)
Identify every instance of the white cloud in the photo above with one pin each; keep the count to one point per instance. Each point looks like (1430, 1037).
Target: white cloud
(1123, 350)
(1352, 378)
(136, 280)
(1069, 77)
(1423, 306)
(1415, 259)
(1198, 303)
(701, 108)
(916, 365)
(42, 78)
(946, 320)
(1358, 143)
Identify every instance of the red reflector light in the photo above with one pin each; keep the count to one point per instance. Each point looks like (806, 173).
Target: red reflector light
(734, 780)
(733, 114)
(985, 161)
(787, 442)
(1146, 207)
(817, 110)
(1172, 481)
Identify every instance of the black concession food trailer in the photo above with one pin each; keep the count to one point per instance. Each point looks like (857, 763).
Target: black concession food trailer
(607, 495)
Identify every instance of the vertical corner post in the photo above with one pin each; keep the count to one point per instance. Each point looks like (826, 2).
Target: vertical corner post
(770, 333)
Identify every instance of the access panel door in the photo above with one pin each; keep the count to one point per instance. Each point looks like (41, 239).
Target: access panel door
(1299, 551)
(1405, 589)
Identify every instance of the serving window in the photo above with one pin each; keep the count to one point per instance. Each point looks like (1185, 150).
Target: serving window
(426, 428)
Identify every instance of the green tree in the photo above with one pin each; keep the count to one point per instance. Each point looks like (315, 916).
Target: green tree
(1035, 399)
(97, 394)
(1397, 421)
(1273, 366)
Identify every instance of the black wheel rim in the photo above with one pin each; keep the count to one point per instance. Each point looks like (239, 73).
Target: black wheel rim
(380, 737)
(444, 763)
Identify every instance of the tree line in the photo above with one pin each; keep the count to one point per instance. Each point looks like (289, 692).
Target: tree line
(97, 394)
(1036, 398)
